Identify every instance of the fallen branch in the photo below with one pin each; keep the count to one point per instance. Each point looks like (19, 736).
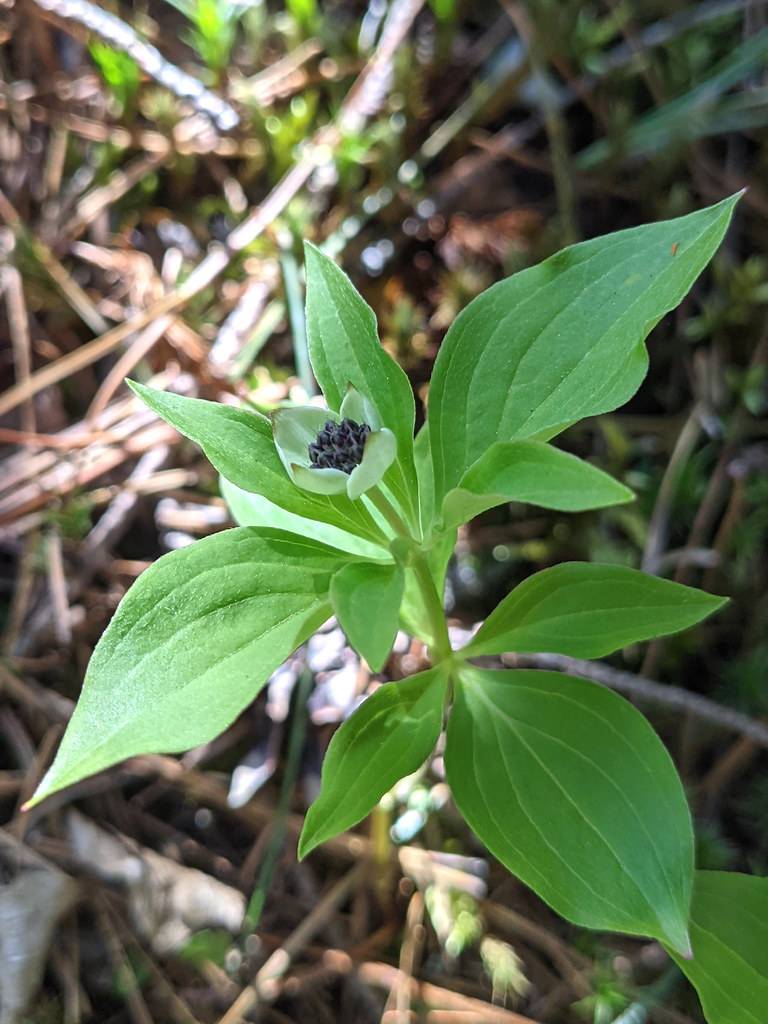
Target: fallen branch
(646, 690)
(124, 38)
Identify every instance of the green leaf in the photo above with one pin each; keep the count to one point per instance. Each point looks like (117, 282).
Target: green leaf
(587, 611)
(729, 934)
(249, 509)
(344, 349)
(389, 736)
(240, 445)
(568, 785)
(562, 340)
(534, 472)
(366, 598)
(191, 644)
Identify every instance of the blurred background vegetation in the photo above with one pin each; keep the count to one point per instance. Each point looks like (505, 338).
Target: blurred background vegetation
(160, 164)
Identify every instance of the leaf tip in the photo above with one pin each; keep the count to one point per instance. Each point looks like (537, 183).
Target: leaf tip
(716, 602)
(40, 794)
(627, 495)
(52, 782)
(141, 391)
(376, 663)
(313, 253)
(729, 203)
(307, 842)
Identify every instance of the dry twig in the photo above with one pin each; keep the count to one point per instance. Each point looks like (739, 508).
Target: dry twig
(265, 986)
(647, 690)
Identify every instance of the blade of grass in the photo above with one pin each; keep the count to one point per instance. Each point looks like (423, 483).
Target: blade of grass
(279, 822)
(265, 328)
(295, 301)
(687, 115)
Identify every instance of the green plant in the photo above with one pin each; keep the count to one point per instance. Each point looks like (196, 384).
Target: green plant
(304, 13)
(343, 512)
(213, 29)
(120, 72)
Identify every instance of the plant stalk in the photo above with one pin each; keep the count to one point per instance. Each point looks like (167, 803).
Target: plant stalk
(392, 516)
(440, 648)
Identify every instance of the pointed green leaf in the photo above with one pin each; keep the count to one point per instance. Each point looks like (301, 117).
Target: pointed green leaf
(241, 447)
(562, 340)
(366, 598)
(249, 509)
(533, 472)
(191, 644)
(587, 611)
(568, 785)
(390, 736)
(729, 935)
(344, 349)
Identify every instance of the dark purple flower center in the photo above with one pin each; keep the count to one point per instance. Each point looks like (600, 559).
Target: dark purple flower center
(339, 446)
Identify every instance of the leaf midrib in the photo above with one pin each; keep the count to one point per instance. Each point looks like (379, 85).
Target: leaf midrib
(194, 582)
(526, 623)
(412, 720)
(608, 845)
(710, 227)
(684, 844)
(194, 623)
(712, 979)
(152, 704)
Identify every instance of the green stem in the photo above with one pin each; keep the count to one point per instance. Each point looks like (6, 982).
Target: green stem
(403, 492)
(398, 524)
(440, 649)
